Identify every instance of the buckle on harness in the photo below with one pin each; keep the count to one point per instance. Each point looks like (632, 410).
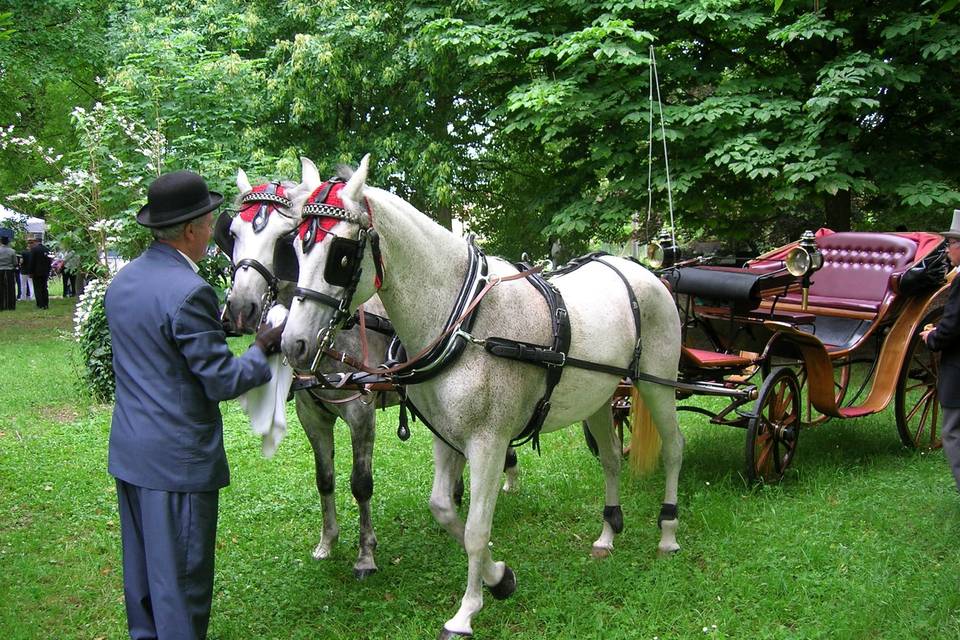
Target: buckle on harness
(561, 364)
(469, 338)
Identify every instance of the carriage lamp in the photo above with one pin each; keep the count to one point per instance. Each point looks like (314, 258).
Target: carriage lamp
(662, 252)
(803, 261)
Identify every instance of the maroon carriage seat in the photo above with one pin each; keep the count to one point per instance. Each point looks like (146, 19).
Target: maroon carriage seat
(857, 270)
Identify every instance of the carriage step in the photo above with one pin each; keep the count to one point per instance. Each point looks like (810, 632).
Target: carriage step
(713, 359)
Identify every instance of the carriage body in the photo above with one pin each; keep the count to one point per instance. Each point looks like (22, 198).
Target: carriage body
(785, 366)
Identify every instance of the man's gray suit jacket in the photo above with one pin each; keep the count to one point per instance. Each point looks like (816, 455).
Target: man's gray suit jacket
(173, 367)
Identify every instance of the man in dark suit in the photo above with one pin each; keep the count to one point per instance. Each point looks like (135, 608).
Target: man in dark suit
(172, 367)
(945, 338)
(39, 271)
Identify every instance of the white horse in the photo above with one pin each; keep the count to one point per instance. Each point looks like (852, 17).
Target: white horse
(479, 402)
(255, 283)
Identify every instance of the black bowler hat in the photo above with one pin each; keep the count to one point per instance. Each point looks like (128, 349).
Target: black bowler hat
(177, 197)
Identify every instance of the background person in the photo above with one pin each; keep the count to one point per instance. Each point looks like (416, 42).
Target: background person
(172, 367)
(8, 270)
(39, 271)
(26, 284)
(945, 338)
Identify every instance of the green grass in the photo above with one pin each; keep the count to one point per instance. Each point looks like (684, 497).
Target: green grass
(860, 541)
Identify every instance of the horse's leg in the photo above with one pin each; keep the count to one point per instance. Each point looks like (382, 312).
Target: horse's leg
(318, 424)
(662, 404)
(447, 474)
(362, 421)
(510, 471)
(600, 425)
(485, 469)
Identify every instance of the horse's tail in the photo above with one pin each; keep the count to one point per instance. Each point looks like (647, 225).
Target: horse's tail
(644, 438)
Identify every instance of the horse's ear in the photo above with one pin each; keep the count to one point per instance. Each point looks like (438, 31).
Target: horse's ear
(310, 175)
(353, 190)
(243, 183)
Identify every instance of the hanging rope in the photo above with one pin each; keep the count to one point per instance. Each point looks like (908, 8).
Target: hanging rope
(655, 83)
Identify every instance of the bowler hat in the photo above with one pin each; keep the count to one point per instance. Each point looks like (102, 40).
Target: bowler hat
(177, 197)
(954, 231)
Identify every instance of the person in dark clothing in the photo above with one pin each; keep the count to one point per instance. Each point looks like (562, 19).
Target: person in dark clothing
(173, 366)
(945, 338)
(40, 272)
(8, 269)
(26, 286)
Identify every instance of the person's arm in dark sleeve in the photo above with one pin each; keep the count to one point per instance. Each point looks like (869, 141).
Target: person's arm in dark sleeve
(199, 334)
(947, 332)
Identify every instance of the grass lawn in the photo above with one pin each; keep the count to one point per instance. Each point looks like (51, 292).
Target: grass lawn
(859, 541)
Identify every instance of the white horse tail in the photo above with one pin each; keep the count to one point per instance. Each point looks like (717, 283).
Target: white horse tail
(645, 440)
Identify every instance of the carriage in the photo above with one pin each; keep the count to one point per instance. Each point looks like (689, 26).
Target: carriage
(825, 327)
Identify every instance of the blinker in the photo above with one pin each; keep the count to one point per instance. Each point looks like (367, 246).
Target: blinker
(221, 234)
(285, 264)
(343, 261)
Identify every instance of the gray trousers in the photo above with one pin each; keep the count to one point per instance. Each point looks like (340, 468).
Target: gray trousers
(168, 544)
(951, 440)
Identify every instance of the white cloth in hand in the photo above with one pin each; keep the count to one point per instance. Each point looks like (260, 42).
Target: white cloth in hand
(266, 405)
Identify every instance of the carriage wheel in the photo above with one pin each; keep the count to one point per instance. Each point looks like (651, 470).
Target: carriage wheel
(918, 411)
(774, 429)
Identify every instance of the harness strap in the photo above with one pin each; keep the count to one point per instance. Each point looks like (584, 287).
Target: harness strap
(259, 268)
(635, 309)
(415, 364)
(373, 321)
(552, 359)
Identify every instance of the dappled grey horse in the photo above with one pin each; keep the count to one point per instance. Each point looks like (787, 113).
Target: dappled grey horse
(476, 325)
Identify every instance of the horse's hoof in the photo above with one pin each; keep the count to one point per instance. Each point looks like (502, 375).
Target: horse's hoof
(322, 552)
(507, 585)
(447, 635)
(599, 553)
(666, 552)
(362, 574)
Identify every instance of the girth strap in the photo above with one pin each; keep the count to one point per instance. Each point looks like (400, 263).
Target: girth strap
(552, 359)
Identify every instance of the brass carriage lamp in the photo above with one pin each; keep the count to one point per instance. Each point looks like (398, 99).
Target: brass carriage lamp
(803, 261)
(663, 252)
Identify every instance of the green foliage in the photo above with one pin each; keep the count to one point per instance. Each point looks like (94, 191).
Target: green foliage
(92, 334)
(529, 123)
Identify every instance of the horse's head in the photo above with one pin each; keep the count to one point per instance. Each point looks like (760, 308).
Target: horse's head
(259, 242)
(340, 266)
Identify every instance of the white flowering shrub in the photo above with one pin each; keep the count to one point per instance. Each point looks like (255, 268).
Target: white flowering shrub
(93, 335)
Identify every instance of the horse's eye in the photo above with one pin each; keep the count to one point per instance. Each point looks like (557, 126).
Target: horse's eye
(343, 261)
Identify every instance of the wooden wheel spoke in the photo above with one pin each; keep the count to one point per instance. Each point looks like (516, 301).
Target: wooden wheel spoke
(922, 401)
(923, 418)
(933, 424)
(919, 385)
(765, 451)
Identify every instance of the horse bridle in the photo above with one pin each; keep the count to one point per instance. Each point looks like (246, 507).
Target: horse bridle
(270, 197)
(344, 259)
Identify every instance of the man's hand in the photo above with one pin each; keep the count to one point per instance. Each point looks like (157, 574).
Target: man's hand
(927, 330)
(268, 338)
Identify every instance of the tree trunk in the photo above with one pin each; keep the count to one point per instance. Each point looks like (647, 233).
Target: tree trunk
(444, 215)
(837, 211)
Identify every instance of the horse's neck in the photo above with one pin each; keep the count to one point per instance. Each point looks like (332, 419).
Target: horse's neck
(425, 266)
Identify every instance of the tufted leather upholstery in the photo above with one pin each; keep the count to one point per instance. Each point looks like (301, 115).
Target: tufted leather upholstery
(857, 268)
